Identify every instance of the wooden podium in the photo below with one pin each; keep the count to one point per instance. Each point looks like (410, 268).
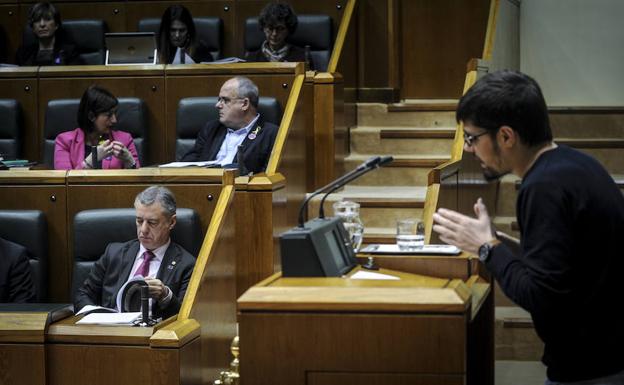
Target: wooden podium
(326, 331)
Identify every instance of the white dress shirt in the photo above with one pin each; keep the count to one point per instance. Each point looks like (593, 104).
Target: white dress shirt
(232, 140)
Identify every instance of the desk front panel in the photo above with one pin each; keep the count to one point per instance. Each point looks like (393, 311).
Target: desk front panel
(22, 364)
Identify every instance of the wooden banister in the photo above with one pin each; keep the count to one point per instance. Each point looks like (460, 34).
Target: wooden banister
(341, 36)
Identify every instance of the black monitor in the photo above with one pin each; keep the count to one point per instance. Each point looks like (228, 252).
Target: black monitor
(322, 248)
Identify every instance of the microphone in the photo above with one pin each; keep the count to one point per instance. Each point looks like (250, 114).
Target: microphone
(145, 305)
(362, 170)
(369, 164)
(95, 162)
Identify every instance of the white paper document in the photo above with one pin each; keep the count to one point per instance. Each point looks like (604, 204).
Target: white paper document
(189, 164)
(372, 275)
(426, 249)
(109, 318)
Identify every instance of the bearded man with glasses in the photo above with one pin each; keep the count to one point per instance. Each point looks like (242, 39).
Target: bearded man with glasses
(239, 124)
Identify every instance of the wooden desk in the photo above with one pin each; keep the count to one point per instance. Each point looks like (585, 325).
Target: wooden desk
(325, 331)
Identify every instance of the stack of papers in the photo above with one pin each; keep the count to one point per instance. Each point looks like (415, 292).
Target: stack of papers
(110, 319)
(189, 164)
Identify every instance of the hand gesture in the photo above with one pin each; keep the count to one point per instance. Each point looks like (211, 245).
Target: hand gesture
(157, 289)
(463, 231)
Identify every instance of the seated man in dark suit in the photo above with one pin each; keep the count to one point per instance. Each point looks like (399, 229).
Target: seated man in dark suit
(239, 124)
(16, 283)
(166, 266)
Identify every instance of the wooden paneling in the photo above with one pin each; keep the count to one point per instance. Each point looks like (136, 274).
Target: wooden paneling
(150, 89)
(437, 40)
(9, 23)
(22, 364)
(24, 90)
(328, 378)
(51, 199)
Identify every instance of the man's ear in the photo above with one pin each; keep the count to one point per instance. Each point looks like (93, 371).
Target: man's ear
(245, 104)
(506, 137)
(173, 222)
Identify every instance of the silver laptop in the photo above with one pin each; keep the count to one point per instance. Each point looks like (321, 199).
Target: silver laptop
(130, 48)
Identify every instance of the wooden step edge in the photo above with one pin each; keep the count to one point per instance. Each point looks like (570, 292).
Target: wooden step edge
(420, 134)
(422, 107)
(515, 226)
(592, 143)
(432, 162)
(587, 110)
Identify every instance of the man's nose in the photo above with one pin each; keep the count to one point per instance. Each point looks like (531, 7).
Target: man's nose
(143, 228)
(468, 148)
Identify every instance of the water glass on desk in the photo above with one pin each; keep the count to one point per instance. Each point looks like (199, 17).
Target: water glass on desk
(410, 234)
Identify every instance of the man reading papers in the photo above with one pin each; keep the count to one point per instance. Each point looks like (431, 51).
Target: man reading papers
(166, 266)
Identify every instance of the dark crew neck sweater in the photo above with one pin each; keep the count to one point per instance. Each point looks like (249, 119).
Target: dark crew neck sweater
(569, 274)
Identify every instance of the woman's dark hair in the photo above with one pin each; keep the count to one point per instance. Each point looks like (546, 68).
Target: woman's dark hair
(507, 98)
(182, 14)
(277, 13)
(95, 101)
(43, 10)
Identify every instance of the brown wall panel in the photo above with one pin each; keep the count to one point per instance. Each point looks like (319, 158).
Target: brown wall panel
(9, 27)
(24, 90)
(150, 89)
(438, 37)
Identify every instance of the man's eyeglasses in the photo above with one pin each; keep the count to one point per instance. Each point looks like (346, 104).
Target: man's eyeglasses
(471, 139)
(227, 101)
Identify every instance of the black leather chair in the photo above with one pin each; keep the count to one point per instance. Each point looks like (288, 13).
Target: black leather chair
(61, 115)
(194, 113)
(95, 229)
(312, 30)
(209, 31)
(10, 128)
(29, 229)
(86, 34)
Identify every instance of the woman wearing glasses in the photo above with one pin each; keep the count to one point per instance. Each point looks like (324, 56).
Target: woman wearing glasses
(97, 119)
(278, 21)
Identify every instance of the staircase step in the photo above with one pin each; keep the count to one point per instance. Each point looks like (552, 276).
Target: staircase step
(508, 225)
(582, 122)
(401, 140)
(405, 170)
(515, 336)
(380, 207)
(587, 143)
(511, 372)
(376, 114)
(506, 197)
(424, 105)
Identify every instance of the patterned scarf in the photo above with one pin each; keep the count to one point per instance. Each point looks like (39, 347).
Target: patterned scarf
(274, 56)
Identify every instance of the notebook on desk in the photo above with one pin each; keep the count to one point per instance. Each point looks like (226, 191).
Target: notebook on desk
(130, 48)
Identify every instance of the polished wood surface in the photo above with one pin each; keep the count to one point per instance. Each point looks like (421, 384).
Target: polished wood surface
(22, 364)
(318, 325)
(437, 39)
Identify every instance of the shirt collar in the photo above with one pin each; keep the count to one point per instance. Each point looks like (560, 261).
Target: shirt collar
(159, 253)
(245, 130)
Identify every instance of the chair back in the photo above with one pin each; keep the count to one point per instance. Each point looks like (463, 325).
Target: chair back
(10, 129)
(29, 229)
(95, 229)
(193, 113)
(312, 30)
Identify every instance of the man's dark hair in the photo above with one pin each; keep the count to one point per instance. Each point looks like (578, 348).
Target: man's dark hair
(171, 14)
(45, 11)
(95, 100)
(507, 98)
(277, 13)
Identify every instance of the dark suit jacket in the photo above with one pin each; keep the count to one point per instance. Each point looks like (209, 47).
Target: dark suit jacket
(64, 54)
(16, 283)
(112, 270)
(200, 53)
(256, 151)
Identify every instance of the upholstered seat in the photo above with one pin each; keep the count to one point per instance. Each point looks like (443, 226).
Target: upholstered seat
(95, 229)
(209, 30)
(29, 229)
(312, 30)
(61, 115)
(10, 129)
(194, 113)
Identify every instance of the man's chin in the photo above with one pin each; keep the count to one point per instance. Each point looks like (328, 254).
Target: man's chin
(491, 175)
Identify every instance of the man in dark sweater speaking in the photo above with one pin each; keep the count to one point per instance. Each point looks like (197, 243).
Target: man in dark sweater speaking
(567, 268)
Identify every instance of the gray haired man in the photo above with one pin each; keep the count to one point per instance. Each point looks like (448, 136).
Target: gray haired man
(165, 265)
(239, 124)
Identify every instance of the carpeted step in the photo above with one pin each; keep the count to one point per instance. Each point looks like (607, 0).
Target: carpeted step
(401, 140)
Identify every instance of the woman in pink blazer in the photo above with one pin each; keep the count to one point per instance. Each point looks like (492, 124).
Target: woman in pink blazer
(96, 117)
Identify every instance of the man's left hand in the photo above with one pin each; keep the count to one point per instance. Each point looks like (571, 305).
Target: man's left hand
(157, 289)
(463, 231)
